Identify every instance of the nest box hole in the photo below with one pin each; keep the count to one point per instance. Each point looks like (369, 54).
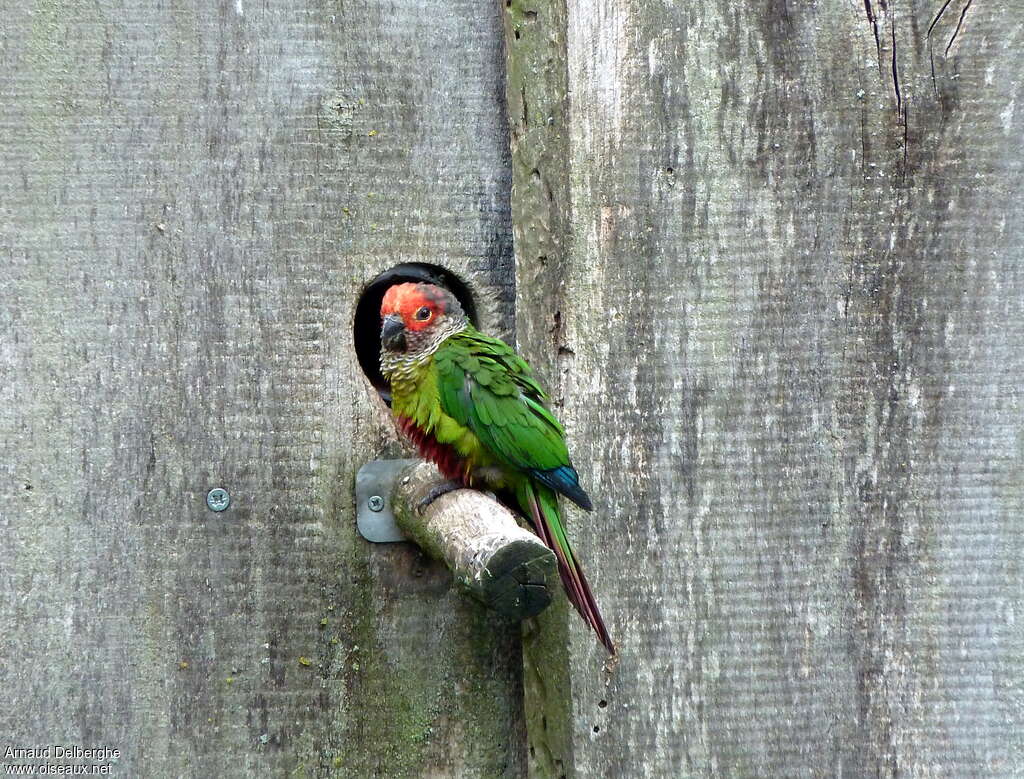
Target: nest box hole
(366, 329)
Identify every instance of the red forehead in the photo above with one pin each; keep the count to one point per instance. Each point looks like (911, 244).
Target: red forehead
(406, 298)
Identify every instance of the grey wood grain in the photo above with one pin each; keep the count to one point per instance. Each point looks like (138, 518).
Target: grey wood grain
(788, 332)
(193, 196)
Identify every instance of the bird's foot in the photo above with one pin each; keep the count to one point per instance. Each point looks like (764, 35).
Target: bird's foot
(436, 492)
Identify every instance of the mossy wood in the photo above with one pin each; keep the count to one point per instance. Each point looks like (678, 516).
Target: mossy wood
(193, 196)
(500, 563)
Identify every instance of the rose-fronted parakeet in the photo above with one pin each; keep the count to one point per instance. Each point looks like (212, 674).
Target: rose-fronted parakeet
(474, 408)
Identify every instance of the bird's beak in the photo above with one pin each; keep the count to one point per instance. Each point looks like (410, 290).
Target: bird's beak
(392, 333)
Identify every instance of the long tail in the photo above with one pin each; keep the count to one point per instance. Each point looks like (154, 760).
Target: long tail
(542, 505)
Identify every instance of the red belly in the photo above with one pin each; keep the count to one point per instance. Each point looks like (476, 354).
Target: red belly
(449, 462)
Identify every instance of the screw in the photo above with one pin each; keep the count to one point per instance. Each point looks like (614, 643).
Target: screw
(218, 499)
(376, 503)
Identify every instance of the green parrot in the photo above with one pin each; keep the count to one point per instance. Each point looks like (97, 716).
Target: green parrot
(473, 407)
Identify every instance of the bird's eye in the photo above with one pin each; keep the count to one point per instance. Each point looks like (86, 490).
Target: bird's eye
(423, 314)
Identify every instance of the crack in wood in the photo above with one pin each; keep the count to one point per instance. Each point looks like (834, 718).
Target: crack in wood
(959, 24)
(874, 25)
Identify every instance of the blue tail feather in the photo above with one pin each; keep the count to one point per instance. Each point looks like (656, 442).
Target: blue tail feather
(565, 480)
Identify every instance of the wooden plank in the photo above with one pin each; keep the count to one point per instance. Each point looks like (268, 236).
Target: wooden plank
(537, 100)
(193, 196)
(786, 335)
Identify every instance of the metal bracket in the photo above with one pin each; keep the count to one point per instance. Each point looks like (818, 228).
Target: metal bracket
(374, 483)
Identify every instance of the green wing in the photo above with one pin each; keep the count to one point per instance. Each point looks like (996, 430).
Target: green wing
(487, 387)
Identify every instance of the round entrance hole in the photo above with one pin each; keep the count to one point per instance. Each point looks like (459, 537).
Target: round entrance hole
(366, 329)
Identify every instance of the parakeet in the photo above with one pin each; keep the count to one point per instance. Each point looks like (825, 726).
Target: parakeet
(473, 407)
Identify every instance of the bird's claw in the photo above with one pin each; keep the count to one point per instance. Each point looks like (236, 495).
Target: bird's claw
(436, 492)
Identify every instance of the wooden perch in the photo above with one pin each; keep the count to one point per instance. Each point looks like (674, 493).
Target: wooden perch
(500, 563)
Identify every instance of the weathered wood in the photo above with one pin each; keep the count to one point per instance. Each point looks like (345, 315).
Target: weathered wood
(193, 195)
(786, 341)
(500, 563)
(768, 263)
(536, 90)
